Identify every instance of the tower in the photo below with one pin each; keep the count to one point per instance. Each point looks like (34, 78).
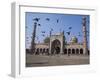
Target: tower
(84, 35)
(33, 39)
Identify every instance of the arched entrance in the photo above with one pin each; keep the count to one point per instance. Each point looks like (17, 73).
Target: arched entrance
(69, 51)
(77, 51)
(81, 51)
(55, 47)
(65, 51)
(73, 51)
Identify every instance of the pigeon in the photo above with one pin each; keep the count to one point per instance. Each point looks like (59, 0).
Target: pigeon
(43, 31)
(68, 33)
(57, 20)
(39, 24)
(43, 35)
(51, 29)
(36, 19)
(70, 27)
(47, 19)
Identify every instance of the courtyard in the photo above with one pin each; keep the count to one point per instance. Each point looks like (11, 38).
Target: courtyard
(55, 60)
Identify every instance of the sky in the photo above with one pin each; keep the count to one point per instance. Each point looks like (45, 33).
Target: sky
(57, 22)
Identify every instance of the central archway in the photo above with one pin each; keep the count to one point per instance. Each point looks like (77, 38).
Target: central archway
(55, 47)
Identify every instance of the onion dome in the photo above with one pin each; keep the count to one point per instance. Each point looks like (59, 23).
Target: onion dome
(74, 40)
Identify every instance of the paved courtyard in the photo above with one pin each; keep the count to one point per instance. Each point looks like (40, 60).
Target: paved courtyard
(55, 60)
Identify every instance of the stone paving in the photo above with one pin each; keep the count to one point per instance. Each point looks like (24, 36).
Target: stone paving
(55, 60)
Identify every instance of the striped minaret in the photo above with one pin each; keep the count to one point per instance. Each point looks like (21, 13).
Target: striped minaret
(33, 38)
(84, 34)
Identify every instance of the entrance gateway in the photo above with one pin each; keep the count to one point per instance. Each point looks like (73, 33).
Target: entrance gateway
(55, 47)
(56, 43)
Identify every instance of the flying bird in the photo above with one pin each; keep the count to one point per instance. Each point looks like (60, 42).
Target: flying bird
(39, 24)
(57, 20)
(43, 31)
(70, 27)
(51, 29)
(43, 35)
(68, 33)
(36, 19)
(47, 19)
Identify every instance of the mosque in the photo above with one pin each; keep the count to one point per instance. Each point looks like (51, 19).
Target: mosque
(57, 44)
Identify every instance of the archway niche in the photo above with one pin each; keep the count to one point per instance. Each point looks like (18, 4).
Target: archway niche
(77, 51)
(73, 51)
(81, 51)
(55, 47)
(65, 51)
(69, 51)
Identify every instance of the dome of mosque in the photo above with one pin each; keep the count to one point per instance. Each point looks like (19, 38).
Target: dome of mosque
(74, 39)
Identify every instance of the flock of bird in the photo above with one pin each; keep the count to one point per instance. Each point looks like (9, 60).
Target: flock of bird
(47, 19)
(57, 21)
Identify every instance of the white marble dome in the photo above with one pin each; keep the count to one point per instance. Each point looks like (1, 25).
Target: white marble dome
(74, 39)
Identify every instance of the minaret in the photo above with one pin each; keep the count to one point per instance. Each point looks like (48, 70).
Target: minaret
(33, 38)
(84, 35)
(63, 41)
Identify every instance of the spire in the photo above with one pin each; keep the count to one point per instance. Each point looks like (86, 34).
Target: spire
(84, 34)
